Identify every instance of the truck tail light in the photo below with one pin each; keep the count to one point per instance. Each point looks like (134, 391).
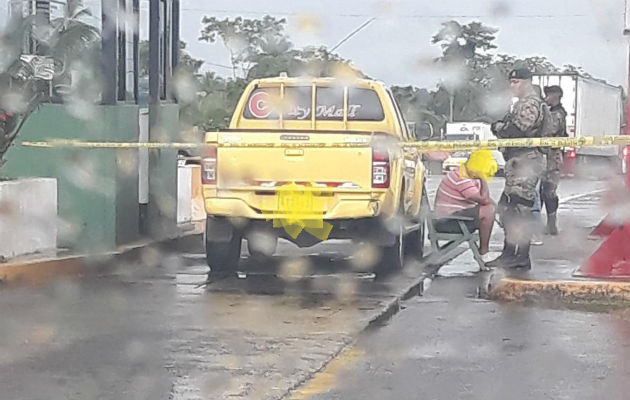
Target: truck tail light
(625, 152)
(380, 168)
(209, 166)
(572, 153)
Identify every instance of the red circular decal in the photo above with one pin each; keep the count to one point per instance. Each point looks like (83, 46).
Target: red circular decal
(259, 105)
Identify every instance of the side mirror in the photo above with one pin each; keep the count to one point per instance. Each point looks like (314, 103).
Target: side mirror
(424, 131)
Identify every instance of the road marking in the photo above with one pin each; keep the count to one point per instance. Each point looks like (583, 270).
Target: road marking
(325, 379)
(577, 196)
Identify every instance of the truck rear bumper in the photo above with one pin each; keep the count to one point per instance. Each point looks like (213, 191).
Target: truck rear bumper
(357, 206)
(374, 230)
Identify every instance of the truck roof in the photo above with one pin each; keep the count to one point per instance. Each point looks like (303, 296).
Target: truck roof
(319, 81)
(578, 75)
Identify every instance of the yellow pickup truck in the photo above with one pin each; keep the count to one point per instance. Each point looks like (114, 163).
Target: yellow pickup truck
(340, 143)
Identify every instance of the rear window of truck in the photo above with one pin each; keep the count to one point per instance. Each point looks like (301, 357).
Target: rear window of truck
(262, 104)
(363, 104)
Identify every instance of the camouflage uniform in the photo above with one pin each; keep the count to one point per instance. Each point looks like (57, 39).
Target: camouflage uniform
(523, 169)
(524, 166)
(551, 177)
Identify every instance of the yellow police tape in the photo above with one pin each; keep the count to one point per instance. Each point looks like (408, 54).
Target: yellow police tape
(458, 145)
(301, 210)
(67, 143)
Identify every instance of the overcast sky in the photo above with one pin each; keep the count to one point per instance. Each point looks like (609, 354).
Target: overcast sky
(396, 46)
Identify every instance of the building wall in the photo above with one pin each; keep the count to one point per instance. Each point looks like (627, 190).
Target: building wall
(97, 188)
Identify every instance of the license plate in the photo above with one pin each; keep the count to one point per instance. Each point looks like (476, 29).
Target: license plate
(295, 202)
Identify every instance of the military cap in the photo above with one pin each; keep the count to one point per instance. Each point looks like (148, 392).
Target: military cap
(553, 89)
(520, 73)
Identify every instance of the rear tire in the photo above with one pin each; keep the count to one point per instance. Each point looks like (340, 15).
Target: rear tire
(223, 257)
(392, 257)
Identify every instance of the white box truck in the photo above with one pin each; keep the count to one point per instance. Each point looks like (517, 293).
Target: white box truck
(594, 108)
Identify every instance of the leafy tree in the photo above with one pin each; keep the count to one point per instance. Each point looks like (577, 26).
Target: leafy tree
(469, 44)
(258, 48)
(186, 61)
(419, 105)
(245, 38)
(215, 103)
(273, 59)
(578, 70)
(466, 53)
(68, 41)
(536, 64)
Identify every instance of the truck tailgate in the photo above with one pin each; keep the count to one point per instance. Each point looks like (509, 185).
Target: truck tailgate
(267, 167)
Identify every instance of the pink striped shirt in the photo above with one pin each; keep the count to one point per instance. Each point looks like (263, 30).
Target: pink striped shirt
(454, 193)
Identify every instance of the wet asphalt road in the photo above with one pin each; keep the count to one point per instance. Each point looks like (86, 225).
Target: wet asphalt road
(152, 330)
(449, 346)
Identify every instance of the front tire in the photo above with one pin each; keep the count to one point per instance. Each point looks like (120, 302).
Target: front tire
(415, 240)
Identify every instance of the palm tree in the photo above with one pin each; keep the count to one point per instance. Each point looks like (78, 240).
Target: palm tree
(23, 85)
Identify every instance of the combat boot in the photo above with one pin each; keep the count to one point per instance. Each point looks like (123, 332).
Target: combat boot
(509, 252)
(520, 259)
(552, 227)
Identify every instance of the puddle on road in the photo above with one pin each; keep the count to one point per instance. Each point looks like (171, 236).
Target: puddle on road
(462, 265)
(191, 279)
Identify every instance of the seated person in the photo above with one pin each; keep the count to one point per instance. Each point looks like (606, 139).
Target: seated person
(463, 193)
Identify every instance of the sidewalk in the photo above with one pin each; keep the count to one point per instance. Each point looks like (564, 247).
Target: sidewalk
(41, 268)
(552, 279)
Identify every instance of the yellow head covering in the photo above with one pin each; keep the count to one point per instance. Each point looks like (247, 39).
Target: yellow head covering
(480, 165)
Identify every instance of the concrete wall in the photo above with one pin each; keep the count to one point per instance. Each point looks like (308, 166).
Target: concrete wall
(190, 206)
(97, 188)
(28, 216)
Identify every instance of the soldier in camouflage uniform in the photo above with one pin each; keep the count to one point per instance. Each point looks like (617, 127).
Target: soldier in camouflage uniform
(523, 169)
(551, 177)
